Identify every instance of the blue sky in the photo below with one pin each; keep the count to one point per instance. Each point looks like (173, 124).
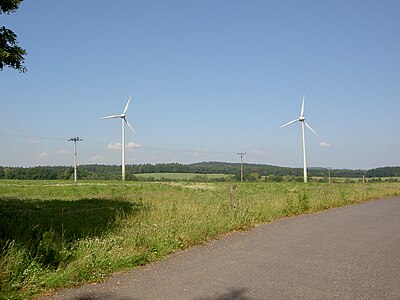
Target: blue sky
(208, 79)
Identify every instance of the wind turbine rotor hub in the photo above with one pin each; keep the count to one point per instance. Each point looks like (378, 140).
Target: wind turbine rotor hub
(302, 119)
(122, 115)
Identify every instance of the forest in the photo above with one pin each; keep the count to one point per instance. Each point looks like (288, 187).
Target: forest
(252, 172)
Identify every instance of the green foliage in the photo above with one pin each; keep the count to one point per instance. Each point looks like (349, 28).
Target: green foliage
(384, 172)
(131, 177)
(297, 206)
(49, 250)
(46, 229)
(7, 6)
(273, 178)
(11, 54)
(41, 235)
(304, 203)
(196, 172)
(38, 173)
(253, 176)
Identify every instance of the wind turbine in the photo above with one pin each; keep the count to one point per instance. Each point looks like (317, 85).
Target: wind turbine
(302, 120)
(124, 121)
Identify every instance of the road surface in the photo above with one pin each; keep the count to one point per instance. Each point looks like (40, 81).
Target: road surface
(351, 252)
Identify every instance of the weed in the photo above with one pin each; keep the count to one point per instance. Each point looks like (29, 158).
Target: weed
(304, 203)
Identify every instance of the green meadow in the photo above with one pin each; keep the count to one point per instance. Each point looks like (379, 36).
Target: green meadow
(54, 234)
(180, 176)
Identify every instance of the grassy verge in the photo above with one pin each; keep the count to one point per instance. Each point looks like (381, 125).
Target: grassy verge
(53, 234)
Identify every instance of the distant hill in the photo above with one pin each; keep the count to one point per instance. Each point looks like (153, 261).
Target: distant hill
(112, 172)
(384, 172)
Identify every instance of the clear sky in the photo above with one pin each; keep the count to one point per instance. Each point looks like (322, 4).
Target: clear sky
(208, 79)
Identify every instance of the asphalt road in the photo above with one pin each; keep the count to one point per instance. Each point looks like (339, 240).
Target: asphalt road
(345, 253)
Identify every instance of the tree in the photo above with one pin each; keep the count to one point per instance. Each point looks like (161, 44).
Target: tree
(11, 54)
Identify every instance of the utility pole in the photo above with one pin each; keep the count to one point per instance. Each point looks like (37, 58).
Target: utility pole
(75, 139)
(241, 164)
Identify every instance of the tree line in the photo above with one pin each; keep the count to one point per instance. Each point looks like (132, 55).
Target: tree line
(252, 172)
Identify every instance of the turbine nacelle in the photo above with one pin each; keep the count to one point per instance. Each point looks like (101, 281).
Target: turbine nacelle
(122, 115)
(302, 118)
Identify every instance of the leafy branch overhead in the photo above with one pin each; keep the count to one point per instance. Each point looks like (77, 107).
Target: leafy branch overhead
(7, 6)
(11, 55)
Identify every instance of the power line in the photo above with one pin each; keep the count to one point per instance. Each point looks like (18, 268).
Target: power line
(185, 150)
(31, 136)
(16, 135)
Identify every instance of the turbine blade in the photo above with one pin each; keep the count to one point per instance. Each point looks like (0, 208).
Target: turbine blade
(309, 127)
(289, 123)
(127, 105)
(110, 117)
(127, 123)
(302, 107)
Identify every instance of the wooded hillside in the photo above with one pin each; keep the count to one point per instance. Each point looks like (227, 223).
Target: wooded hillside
(251, 171)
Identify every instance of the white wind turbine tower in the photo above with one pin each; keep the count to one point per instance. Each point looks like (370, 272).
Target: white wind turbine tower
(124, 120)
(302, 120)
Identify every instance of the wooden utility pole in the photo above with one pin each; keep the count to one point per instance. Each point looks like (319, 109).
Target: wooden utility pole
(241, 164)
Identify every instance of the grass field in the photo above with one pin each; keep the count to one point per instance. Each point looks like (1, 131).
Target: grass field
(54, 234)
(179, 176)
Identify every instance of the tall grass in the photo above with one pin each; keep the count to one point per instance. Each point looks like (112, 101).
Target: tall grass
(53, 234)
